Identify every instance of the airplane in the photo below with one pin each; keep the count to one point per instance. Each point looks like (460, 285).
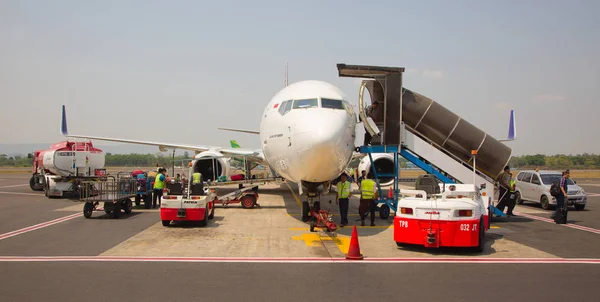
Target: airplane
(307, 134)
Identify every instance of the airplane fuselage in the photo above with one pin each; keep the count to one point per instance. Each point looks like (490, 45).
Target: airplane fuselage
(307, 132)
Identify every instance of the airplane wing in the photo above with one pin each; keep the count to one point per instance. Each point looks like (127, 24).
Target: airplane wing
(252, 155)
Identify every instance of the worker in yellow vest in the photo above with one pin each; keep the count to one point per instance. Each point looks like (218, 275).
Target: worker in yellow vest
(368, 195)
(159, 185)
(196, 178)
(344, 192)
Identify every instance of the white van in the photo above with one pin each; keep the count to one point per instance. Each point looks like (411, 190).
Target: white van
(535, 187)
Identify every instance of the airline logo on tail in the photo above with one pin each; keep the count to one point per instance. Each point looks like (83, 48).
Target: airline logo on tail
(512, 129)
(234, 144)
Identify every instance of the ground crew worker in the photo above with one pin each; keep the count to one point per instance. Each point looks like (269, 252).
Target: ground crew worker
(504, 180)
(343, 194)
(363, 175)
(196, 178)
(513, 198)
(159, 185)
(368, 195)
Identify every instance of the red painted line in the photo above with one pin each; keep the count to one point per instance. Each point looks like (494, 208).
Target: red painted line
(299, 260)
(38, 226)
(570, 225)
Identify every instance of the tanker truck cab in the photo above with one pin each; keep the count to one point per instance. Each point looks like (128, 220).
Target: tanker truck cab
(450, 217)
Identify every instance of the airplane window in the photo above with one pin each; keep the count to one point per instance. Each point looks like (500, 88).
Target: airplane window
(306, 103)
(333, 104)
(282, 107)
(285, 107)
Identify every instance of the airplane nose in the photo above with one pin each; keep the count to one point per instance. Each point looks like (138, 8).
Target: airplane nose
(318, 149)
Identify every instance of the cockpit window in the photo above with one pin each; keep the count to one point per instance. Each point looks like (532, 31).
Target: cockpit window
(330, 103)
(285, 107)
(306, 103)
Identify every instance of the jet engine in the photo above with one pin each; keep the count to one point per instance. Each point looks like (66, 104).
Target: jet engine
(384, 164)
(211, 165)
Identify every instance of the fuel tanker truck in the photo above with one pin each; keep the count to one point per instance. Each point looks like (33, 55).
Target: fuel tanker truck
(61, 168)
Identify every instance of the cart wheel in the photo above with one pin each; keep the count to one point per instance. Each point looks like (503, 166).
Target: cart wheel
(88, 208)
(312, 226)
(147, 201)
(138, 199)
(127, 206)
(247, 201)
(204, 222)
(166, 222)
(116, 210)
(384, 211)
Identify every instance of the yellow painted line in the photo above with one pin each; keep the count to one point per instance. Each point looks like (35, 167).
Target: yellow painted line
(294, 194)
(494, 227)
(312, 239)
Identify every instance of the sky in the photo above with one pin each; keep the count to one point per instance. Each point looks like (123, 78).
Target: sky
(175, 71)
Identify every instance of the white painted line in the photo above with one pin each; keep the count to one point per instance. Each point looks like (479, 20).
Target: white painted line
(12, 186)
(570, 225)
(38, 226)
(26, 194)
(468, 260)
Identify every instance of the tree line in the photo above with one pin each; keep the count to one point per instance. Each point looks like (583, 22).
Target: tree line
(561, 161)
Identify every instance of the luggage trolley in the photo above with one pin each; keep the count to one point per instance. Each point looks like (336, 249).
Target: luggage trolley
(115, 192)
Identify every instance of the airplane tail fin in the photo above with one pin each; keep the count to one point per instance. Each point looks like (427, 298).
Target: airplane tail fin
(63, 125)
(512, 128)
(234, 144)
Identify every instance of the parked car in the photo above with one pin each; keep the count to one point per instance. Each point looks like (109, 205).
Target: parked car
(535, 187)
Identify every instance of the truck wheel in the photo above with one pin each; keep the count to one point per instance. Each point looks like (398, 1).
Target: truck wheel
(212, 213)
(127, 206)
(137, 199)
(305, 209)
(481, 242)
(384, 211)
(166, 222)
(247, 201)
(88, 208)
(204, 222)
(34, 185)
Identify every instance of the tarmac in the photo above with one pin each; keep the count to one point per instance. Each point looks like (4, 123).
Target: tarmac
(49, 251)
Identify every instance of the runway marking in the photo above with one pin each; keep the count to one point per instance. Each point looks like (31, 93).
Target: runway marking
(294, 194)
(38, 226)
(570, 225)
(348, 227)
(467, 260)
(12, 186)
(17, 193)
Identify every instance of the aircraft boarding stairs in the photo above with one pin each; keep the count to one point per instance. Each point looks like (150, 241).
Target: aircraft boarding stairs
(428, 135)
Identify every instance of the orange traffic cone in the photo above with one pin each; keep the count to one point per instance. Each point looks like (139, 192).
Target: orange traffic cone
(391, 193)
(354, 250)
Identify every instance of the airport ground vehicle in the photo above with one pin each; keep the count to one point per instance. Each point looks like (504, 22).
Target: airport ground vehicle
(144, 188)
(532, 186)
(63, 167)
(452, 217)
(195, 203)
(114, 191)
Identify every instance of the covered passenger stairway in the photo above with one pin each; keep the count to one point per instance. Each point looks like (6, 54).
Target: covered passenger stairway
(425, 133)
